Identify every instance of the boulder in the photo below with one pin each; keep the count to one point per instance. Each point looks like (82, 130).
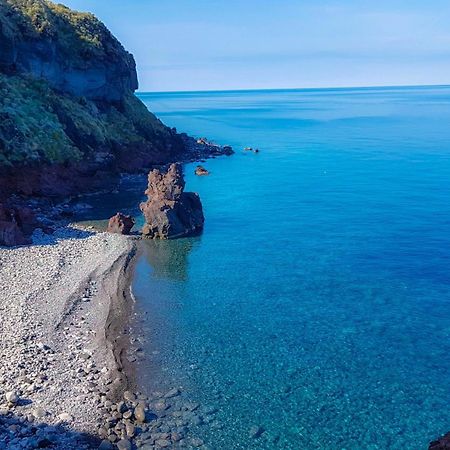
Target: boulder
(201, 171)
(121, 224)
(443, 443)
(169, 211)
(16, 225)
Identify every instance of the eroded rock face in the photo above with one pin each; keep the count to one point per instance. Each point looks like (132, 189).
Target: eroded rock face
(169, 211)
(73, 51)
(120, 224)
(16, 225)
(442, 443)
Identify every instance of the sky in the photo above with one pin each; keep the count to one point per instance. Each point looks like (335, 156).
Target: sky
(190, 45)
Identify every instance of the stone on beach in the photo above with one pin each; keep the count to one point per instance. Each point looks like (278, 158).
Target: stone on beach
(139, 413)
(169, 211)
(124, 444)
(12, 397)
(39, 412)
(64, 417)
(120, 224)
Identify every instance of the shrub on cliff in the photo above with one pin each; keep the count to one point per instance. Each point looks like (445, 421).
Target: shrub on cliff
(79, 35)
(67, 98)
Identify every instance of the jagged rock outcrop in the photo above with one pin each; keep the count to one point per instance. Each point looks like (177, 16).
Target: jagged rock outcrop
(201, 171)
(120, 224)
(16, 225)
(169, 211)
(443, 443)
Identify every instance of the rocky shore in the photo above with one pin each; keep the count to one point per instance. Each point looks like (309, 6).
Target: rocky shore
(58, 362)
(66, 380)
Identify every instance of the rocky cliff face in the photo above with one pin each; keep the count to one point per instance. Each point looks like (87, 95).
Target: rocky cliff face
(73, 51)
(69, 119)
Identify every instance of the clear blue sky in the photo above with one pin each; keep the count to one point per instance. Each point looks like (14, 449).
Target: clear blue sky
(250, 44)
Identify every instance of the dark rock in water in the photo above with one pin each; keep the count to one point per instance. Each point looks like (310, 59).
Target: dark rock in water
(169, 211)
(201, 171)
(139, 414)
(121, 224)
(16, 225)
(256, 431)
(442, 443)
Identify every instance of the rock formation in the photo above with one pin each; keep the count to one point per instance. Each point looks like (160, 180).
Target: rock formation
(121, 224)
(16, 225)
(201, 171)
(169, 211)
(442, 443)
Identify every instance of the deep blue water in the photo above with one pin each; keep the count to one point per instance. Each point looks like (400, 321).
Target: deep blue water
(316, 304)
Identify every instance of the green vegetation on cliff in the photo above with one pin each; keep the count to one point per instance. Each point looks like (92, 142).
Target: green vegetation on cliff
(67, 95)
(79, 35)
(29, 128)
(39, 124)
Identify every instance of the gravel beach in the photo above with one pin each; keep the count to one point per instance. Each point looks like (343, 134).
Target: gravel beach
(58, 363)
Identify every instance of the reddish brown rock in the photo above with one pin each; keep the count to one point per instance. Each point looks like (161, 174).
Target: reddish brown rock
(169, 211)
(442, 443)
(16, 225)
(201, 171)
(121, 224)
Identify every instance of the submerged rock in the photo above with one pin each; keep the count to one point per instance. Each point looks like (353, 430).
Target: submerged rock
(256, 431)
(169, 211)
(121, 224)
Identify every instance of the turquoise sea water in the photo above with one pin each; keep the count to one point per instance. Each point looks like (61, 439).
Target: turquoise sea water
(316, 304)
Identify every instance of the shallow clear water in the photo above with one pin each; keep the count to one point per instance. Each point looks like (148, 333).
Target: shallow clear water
(316, 304)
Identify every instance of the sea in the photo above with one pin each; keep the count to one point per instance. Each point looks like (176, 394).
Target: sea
(313, 312)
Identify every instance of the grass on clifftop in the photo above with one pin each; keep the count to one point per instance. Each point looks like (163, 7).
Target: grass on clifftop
(29, 129)
(79, 35)
(38, 124)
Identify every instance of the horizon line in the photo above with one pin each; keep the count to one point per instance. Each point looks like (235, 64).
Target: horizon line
(295, 89)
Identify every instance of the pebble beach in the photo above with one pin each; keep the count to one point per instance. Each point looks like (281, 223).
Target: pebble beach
(66, 379)
(58, 364)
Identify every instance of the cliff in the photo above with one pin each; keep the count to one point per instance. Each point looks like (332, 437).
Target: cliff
(73, 51)
(69, 119)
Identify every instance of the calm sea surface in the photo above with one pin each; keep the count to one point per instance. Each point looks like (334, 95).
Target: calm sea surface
(316, 304)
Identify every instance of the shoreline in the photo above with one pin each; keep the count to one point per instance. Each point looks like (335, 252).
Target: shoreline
(119, 315)
(66, 336)
(61, 310)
